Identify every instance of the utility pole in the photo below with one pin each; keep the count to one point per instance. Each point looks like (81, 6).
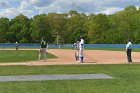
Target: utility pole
(57, 39)
(78, 8)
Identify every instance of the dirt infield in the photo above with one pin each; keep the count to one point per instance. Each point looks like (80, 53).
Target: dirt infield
(94, 56)
(66, 56)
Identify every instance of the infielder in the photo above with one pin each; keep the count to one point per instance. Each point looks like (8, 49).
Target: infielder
(42, 50)
(81, 49)
(16, 45)
(76, 45)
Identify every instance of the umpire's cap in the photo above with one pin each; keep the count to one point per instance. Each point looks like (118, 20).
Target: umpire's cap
(81, 37)
(129, 40)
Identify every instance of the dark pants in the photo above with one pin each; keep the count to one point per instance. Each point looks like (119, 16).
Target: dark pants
(129, 55)
(16, 47)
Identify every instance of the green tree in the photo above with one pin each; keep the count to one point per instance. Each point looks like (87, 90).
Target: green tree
(97, 25)
(40, 27)
(67, 27)
(58, 26)
(76, 27)
(4, 28)
(19, 29)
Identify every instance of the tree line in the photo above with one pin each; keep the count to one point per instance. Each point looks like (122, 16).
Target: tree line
(67, 27)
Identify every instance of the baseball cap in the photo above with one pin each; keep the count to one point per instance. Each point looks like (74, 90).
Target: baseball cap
(81, 37)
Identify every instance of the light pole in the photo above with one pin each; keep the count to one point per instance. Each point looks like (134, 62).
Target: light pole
(57, 26)
(57, 38)
(77, 7)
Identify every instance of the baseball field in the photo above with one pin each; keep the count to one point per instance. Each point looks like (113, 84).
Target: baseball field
(61, 61)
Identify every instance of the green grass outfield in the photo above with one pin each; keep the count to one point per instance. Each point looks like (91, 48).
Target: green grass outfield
(20, 55)
(126, 79)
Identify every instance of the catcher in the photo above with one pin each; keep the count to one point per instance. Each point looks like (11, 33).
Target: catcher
(76, 45)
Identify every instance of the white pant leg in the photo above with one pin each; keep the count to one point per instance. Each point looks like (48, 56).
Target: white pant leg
(39, 56)
(44, 53)
(77, 55)
(81, 54)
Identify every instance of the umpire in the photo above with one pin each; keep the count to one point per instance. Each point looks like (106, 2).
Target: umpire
(128, 50)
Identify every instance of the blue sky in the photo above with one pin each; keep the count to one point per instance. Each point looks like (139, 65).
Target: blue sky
(11, 8)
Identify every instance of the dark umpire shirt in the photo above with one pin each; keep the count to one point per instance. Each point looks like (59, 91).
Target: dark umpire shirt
(43, 44)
